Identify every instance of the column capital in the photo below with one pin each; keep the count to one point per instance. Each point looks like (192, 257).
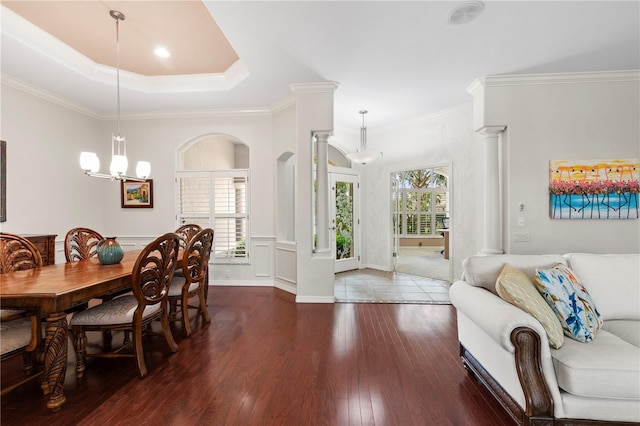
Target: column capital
(491, 131)
(322, 135)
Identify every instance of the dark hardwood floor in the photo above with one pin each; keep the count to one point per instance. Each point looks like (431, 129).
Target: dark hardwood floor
(265, 360)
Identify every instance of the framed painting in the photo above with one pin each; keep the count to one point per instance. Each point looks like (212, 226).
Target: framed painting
(136, 195)
(594, 189)
(3, 181)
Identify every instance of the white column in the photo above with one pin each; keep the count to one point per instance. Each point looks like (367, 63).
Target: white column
(322, 193)
(492, 209)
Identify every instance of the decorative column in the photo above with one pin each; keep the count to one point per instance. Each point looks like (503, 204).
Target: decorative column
(492, 208)
(322, 193)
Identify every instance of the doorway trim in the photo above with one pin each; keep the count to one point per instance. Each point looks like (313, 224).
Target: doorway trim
(394, 244)
(352, 176)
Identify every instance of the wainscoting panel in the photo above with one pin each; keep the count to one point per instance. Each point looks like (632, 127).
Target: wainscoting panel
(286, 261)
(263, 259)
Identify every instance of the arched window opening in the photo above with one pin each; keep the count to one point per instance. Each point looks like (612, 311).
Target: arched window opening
(213, 191)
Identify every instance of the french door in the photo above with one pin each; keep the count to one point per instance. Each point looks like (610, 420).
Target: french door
(345, 220)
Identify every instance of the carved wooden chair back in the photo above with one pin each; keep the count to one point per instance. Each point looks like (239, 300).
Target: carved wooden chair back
(17, 253)
(195, 269)
(186, 232)
(153, 271)
(81, 244)
(196, 256)
(21, 331)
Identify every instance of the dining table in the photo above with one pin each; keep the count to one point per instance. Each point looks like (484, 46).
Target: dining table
(55, 289)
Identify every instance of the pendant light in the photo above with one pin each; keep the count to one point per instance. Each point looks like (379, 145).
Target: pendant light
(363, 156)
(89, 161)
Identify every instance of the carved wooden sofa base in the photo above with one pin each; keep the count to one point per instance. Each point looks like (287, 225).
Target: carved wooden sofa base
(539, 410)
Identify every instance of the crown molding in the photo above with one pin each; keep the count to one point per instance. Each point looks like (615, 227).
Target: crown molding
(477, 86)
(327, 86)
(196, 113)
(283, 104)
(48, 96)
(553, 78)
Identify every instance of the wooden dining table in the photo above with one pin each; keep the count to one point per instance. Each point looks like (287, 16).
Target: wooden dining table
(54, 289)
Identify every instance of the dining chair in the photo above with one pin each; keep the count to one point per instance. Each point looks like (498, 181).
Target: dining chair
(151, 276)
(20, 329)
(17, 253)
(186, 232)
(195, 279)
(81, 244)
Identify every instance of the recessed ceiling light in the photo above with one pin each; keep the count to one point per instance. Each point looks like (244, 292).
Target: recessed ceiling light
(465, 12)
(162, 52)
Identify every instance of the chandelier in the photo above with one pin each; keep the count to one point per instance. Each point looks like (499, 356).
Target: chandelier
(89, 161)
(363, 156)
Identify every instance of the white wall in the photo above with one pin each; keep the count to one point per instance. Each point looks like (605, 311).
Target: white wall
(555, 117)
(47, 191)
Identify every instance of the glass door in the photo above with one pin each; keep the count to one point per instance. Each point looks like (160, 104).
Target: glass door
(396, 218)
(345, 221)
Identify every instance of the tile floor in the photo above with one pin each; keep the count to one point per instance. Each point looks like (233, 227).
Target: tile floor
(373, 286)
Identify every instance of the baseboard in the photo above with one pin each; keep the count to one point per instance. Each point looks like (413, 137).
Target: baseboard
(377, 267)
(315, 299)
(288, 287)
(240, 283)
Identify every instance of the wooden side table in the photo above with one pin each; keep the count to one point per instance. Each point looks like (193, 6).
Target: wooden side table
(46, 245)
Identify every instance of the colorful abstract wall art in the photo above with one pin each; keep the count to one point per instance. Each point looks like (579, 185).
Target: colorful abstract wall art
(593, 189)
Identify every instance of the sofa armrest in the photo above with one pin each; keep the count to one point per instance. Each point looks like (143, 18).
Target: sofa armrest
(518, 333)
(497, 317)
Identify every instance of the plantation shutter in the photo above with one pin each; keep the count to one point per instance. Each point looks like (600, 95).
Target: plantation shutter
(220, 200)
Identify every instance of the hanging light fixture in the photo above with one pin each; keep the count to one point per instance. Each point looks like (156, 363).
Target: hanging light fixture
(89, 161)
(363, 156)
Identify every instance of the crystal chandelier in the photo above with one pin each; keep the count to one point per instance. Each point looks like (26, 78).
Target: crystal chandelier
(89, 161)
(363, 156)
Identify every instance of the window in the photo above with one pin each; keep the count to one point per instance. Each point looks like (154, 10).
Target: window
(220, 200)
(420, 202)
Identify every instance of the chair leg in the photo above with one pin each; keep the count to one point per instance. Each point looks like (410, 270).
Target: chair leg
(127, 338)
(186, 323)
(172, 310)
(203, 307)
(107, 338)
(138, 350)
(80, 345)
(167, 333)
(27, 363)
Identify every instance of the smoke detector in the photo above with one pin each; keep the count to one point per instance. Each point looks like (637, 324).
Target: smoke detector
(465, 12)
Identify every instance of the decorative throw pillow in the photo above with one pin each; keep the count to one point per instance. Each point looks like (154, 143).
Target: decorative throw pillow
(515, 287)
(570, 301)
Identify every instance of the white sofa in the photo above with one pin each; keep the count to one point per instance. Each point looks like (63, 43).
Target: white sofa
(507, 349)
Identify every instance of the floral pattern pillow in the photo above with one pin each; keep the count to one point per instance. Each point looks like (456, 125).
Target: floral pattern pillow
(570, 301)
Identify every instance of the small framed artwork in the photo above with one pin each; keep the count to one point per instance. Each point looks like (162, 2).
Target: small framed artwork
(136, 195)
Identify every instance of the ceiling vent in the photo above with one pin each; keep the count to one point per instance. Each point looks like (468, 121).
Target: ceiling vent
(465, 12)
